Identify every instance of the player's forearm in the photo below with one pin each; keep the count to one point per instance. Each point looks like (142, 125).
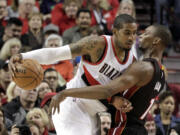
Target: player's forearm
(49, 55)
(93, 92)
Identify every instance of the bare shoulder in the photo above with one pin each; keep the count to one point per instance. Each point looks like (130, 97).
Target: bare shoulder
(143, 70)
(87, 45)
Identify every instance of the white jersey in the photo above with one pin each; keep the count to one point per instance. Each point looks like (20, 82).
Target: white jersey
(106, 69)
(79, 114)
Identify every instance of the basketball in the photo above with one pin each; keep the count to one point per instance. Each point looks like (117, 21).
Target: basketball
(28, 75)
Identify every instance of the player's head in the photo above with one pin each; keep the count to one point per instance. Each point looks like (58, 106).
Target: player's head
(155, 36)
(124, 31)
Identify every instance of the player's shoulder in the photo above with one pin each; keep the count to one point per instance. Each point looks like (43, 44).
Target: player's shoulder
(143, 67)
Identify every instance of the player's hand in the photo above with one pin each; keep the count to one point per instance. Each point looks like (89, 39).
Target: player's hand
(14, 61)
(122, 104)
(55, 102)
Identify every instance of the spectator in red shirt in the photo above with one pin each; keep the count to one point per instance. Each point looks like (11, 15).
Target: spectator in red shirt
(26, 7)
(63, 15)
(65, 68)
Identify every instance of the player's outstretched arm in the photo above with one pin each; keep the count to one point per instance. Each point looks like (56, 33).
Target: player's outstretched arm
(139, 74)
(85, 46)
(91, 45)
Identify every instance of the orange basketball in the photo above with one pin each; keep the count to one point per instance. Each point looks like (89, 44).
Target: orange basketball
(29, 74)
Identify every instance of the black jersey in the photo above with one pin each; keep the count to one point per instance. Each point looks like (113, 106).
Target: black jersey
(143, 98)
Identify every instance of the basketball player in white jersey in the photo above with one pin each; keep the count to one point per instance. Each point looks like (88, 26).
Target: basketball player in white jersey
(104, 58)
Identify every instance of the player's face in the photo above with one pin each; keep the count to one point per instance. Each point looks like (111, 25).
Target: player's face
(167, 106)
(126, 36)
(146, 39)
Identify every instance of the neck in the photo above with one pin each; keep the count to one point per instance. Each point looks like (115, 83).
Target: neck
(153, 53)
(27, 105)
(84, 31)
(166, 119)
(35, 31)
(118, 49)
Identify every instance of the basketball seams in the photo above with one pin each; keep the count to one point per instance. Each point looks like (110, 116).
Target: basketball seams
(32, 76)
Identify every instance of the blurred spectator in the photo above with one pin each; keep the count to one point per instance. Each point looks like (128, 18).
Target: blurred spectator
(26, 7)
(34, 38)
(3, 22)
(63, 15)
(95, 30)
(105, 119)
(40, 117)
(52, 76)
(5, 80)
(48, 5)
(34, 128)
(175, 88)
(64, 68)
(45, 105)
(150, 125)
(50, 29)
(20, 130)
(81, 29)
(43, 88)
(3, 130)
(15, 111)
(127, 7)
(162, 11)
(165, 121)
(12, 29)
(53, 41)
(10, 48)
(13, 9)
(13, 91)
(101, 15)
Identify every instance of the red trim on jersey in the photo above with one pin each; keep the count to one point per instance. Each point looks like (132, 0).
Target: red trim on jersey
(116, 54)
(105, 52)
(89, 77)
(131, 92)
(120, 122)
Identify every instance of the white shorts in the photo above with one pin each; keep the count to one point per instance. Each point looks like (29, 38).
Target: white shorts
(77, 117)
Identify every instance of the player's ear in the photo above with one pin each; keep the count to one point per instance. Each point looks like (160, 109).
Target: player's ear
(114, 31)
(156, 41)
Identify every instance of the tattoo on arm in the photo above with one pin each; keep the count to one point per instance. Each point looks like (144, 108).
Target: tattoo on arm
(99, 53)
(85, 46)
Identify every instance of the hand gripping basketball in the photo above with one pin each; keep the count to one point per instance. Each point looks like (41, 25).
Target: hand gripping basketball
(28, 74)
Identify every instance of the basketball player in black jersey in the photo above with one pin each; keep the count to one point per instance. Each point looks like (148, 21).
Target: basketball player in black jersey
(140, 83)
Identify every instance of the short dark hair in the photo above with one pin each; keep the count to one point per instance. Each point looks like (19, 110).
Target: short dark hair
(122, 19)
(164, 95)
(83, 10)
(164, 33)
(49, 70)
(15, 21)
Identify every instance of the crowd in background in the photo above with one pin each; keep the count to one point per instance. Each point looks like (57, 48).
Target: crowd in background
(27, 25)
